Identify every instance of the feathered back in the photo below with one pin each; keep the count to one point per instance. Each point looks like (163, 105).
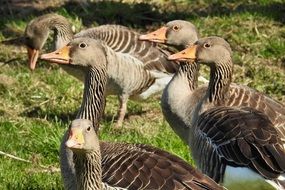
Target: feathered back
(121, 39)
(238, 137)
(145, 167)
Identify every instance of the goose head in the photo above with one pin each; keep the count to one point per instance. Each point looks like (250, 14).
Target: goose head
(210, 51)
(82, 136)
(37, 32)
(176, 33)
(83, 52)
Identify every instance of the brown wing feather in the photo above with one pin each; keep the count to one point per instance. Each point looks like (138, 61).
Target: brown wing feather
(124, 40)
(241, 95)
(145, 167)
(242, 137)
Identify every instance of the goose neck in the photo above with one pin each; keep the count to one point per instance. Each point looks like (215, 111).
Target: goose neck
(177, 94)
(190, 71)
(220, 79)
(88, 170)
(93, 103)
(62, 32)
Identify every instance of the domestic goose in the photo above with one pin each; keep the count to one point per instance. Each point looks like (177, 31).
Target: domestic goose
(178, 94)
(182, 93)
(123, 166)
(235, 145)
(124, 81)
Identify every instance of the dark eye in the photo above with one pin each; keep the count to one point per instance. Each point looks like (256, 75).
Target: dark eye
(82, 45)
(175, 28)
(88, 129)
(206, 45)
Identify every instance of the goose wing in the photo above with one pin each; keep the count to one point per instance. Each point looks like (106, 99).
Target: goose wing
(144, 167)
(239, 137)
(243, 96)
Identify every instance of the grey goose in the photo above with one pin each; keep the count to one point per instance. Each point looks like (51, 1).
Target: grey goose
(236, 145)
(122, 165)
(146, 75)
(182, 94)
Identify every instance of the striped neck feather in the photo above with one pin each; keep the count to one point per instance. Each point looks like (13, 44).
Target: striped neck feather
(93, 103)
(62, 34)
(88, 170)
(220, 80)
(190, 70)
(61, 27)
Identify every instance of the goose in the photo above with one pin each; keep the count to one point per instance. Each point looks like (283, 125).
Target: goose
(106, 165)
(179, 91)
(125, 81)
(234, 145)
(183, 89)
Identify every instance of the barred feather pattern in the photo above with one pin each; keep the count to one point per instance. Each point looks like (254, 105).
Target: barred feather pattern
(177, 94)
(62, 32)
(93, 101)
(126, 166)
(180, 117)
(191, 70)
(245, 96)
(129, 166)
(121, 39)
(223, 92)
(221, 79)
(88, 170)
(143, 167)
(237, 137)
(235, 132)
(59, 24)
(108, 187)
(126, 74)
(125, 41)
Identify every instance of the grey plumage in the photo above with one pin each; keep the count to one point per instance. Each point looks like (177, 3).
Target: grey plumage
(123, 165)
(183, 88)
(238, 135)
(137, 82)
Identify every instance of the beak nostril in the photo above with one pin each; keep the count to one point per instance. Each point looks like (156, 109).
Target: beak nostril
(183, 53)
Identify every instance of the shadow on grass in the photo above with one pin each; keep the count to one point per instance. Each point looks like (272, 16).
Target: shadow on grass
(38, 112)
(65, 118)
(143, 14)
(108, 117)
(135, 14)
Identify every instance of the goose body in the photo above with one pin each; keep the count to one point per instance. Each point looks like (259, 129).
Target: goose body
(181, 96)
(226, 136)
(122, 165)
(133, 82)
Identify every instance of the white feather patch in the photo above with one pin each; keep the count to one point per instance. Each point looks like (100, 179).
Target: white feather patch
(242, 178)
(162, 79)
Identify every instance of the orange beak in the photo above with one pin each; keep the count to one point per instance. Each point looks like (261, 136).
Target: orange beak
(60, 56)
(158, 36)
(33, 55)
(75, 139)
(188, 53)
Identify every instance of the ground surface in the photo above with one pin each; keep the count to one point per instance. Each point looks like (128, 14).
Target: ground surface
(36, 108)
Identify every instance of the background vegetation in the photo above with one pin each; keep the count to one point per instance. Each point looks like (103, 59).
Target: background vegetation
(36, 107)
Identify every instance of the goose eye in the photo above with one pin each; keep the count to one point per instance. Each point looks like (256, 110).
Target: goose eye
(82, 45)
(88, 129)
(206, 45)
(175, 28)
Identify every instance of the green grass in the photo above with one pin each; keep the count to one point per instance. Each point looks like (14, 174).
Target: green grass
(36, 107)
